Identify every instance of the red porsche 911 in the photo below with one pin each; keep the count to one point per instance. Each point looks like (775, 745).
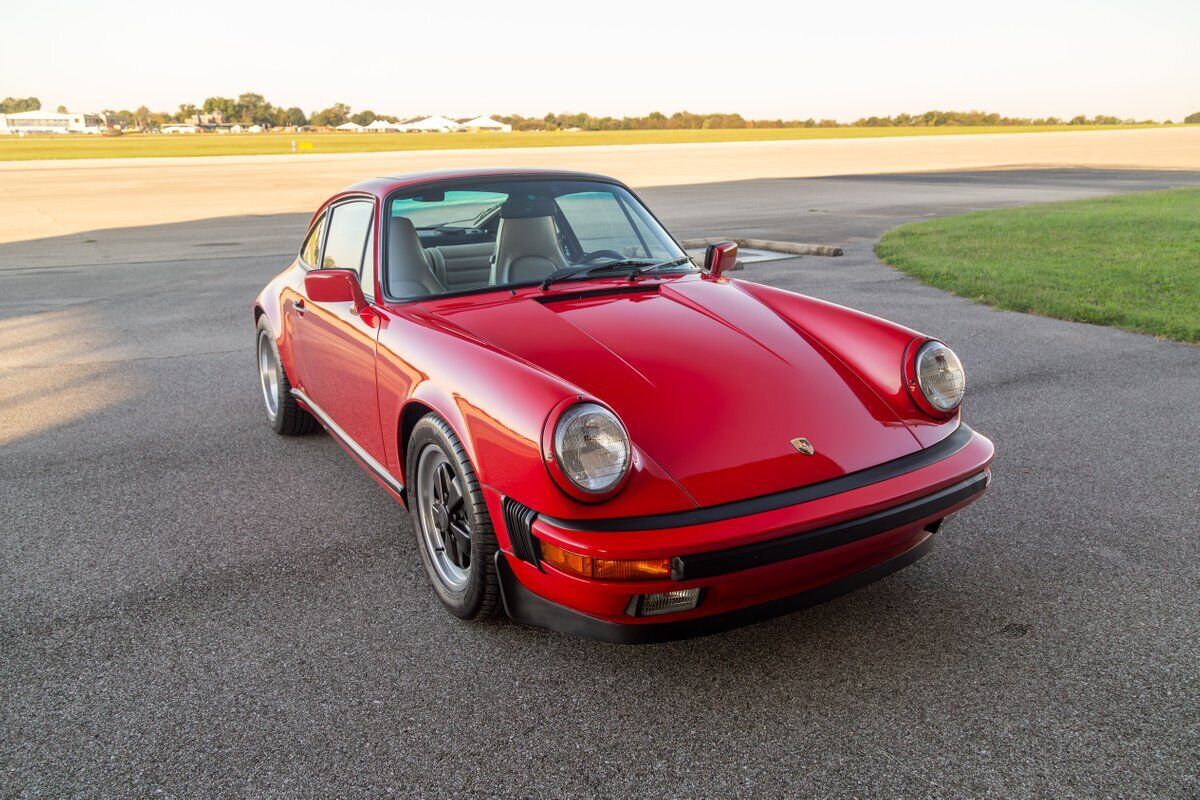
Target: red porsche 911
(594, 433)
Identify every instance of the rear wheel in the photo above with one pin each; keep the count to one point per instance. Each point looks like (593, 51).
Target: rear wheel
(454, 532)
(283, 412)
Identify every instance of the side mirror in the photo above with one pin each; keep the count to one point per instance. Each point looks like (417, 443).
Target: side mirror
(720, 257)
(335, 286)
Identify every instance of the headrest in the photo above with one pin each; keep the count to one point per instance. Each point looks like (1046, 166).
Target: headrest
(406, 257)
(403, 240)
(523, 207)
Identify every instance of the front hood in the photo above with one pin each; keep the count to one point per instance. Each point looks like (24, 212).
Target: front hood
(711, 384)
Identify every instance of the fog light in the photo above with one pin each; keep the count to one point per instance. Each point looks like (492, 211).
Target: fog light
(647, 605)
(603, 568)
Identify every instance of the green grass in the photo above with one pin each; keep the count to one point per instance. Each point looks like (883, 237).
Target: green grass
(13, 148)
(1129, 261)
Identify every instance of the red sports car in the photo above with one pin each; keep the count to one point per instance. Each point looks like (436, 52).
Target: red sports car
(595, 433)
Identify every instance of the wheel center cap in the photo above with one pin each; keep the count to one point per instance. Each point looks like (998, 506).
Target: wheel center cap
(441, 519)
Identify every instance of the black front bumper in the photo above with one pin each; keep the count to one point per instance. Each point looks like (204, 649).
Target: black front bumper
(772, 551)
(526, 607)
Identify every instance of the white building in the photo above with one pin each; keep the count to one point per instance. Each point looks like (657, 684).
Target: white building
(486, 124)
(179, 127)
(436, 123)
(349, 126)
(50, 122)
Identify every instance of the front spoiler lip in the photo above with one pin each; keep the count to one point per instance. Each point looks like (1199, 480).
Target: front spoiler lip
(526, 607)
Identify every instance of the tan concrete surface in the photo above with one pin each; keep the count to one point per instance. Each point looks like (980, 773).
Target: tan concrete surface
(55, 198)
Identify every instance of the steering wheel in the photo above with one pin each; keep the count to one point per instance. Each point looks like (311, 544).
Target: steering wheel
(588, 258)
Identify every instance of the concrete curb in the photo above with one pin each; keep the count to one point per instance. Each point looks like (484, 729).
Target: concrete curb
(794, 248)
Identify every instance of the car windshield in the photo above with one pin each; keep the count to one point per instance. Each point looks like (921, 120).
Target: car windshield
(478, 237)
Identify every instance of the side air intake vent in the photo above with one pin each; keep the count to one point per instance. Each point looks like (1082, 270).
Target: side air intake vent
(518, 519)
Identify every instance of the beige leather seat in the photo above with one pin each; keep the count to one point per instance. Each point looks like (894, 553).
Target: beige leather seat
(408, 272)
(526, 242)
(462, 266)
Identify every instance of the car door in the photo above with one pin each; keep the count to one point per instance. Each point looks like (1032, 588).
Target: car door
(336, 346)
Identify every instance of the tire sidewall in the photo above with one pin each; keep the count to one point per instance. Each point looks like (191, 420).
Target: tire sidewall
(289, 418)
(276, 419)
(468, 602)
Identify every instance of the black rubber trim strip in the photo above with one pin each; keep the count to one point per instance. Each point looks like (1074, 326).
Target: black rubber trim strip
(772, 551)
(559, 297)
(354, 447)
(770, 502)
(526, 607)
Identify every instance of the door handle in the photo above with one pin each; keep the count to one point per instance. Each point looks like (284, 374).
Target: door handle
(299, 306)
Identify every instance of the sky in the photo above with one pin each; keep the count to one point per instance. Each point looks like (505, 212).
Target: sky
(840, 59)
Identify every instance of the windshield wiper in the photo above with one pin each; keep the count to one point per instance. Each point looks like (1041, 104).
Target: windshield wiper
(483, 215)
(570, 272)
(641, 270)
(640, 266)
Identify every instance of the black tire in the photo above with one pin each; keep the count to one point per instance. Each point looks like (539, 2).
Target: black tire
(287, 418)
(478, 594)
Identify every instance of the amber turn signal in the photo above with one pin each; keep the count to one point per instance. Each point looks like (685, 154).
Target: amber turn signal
(603, 568)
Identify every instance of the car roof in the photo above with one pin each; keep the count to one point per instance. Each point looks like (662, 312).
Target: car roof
(387, 184)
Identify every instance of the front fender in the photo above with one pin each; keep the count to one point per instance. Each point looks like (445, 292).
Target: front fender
(498, 407)
(873, 347)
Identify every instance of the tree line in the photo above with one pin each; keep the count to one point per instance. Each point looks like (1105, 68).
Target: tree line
(253, 109)
(683, 120)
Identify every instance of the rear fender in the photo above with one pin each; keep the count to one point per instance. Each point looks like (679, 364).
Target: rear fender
(270, 304)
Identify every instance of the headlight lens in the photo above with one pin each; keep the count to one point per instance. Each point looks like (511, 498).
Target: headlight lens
(592, 448)
(940, 376)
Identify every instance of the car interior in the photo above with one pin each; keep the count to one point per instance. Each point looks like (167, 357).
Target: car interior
(520, 243)
(445, 241)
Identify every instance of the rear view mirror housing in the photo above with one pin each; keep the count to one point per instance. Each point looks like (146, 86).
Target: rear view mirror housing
(335, 286)
(720, 257)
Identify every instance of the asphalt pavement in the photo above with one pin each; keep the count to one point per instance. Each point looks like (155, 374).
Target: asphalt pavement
(191, 606)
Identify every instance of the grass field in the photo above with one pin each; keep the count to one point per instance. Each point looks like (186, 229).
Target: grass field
(1130, 261)
(27, 148)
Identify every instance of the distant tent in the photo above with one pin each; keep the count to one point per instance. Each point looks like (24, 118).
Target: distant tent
(486, 124)
(349, 126)
(435, 123)
(383, 125)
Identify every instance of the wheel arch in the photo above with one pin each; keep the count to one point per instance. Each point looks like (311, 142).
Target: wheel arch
(425, 400)
(410, 415)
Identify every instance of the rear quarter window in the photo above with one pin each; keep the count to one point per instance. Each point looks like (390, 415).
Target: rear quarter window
(348, 226)
(310, 251)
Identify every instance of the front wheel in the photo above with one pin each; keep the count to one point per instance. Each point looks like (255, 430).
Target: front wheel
(453, 529)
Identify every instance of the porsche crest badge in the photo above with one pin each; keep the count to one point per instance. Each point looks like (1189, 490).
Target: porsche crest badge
(803, 445)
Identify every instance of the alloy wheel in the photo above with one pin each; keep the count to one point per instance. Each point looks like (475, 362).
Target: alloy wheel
(445, 529)
(268, 373)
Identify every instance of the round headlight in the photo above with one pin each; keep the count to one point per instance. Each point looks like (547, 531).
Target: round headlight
(592, 448)
(940, 376)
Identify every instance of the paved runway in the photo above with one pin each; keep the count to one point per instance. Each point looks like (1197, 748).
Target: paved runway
(192, 606)
(49, 198)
